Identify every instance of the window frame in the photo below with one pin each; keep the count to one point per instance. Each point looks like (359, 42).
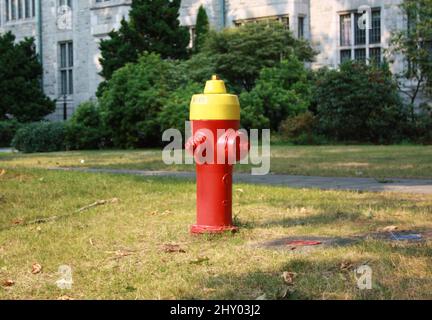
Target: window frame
(301, 26)
(19, 10)
(65, 67)
(284, 19)
(353, 44)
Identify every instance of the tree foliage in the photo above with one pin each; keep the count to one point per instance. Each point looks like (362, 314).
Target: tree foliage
(360, 103)
(280, 92)
(153, 26)
(176, 110)
(85, 129)
(202, 28)
(239, 54)
(21, 95)
(134, 98)
(415, 43)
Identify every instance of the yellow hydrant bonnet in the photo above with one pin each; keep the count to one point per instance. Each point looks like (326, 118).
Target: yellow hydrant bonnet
(215, 103)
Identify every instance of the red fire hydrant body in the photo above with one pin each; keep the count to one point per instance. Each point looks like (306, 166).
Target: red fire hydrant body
(216, 144)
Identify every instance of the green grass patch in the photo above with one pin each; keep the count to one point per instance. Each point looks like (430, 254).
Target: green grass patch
(116, 250)
(339, 161)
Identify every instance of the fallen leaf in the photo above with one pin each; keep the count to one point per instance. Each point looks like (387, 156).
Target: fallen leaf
(389, 228)
(2, 172)
(65, 298)
(209, 289)
(17, 221)
(346, 265)
(38, 228)
(288, 277)
(8, 283)
(171, 248)
(239, 190)
(36, 268)
(91, 241)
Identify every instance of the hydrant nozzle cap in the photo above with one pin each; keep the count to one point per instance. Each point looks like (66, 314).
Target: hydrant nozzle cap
(215, 86)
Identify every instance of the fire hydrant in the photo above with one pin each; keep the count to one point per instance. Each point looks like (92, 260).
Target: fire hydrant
(216, 144)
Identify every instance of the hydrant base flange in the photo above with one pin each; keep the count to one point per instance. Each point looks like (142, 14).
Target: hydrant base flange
(199, 229)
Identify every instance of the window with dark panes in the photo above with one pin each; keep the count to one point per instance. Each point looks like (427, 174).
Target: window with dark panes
(375, 55)
(366, 45)
(300, 27)
(27, 9)
(345, 55)
(345, 30)
(20, 9)
(375, 31)
(66, 68)
(13, 10)
(285, 22)
(360, 54)
(65, 3)
(359, 34)
(7, 10)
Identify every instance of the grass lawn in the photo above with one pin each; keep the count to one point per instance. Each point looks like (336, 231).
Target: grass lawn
(117, 250)
(360, 161)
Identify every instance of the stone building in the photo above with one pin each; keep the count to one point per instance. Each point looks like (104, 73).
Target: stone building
(67, 32)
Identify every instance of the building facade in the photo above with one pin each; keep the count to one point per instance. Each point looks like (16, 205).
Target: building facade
(68, 32)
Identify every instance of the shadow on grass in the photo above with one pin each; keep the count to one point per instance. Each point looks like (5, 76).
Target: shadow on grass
(312, 280)
(316, 219)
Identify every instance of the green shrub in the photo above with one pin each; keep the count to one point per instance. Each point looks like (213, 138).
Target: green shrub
(176, 110)
(199, 68)
(252, 112)
(422, 127)
(8, 129)
(239, 54)
(301, 129)
(85, 129)
(360, 103)
(133, 98)
(40, 137)
(280, 92)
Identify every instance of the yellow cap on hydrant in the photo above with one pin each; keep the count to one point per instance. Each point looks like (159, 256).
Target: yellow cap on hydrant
(215, 103)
